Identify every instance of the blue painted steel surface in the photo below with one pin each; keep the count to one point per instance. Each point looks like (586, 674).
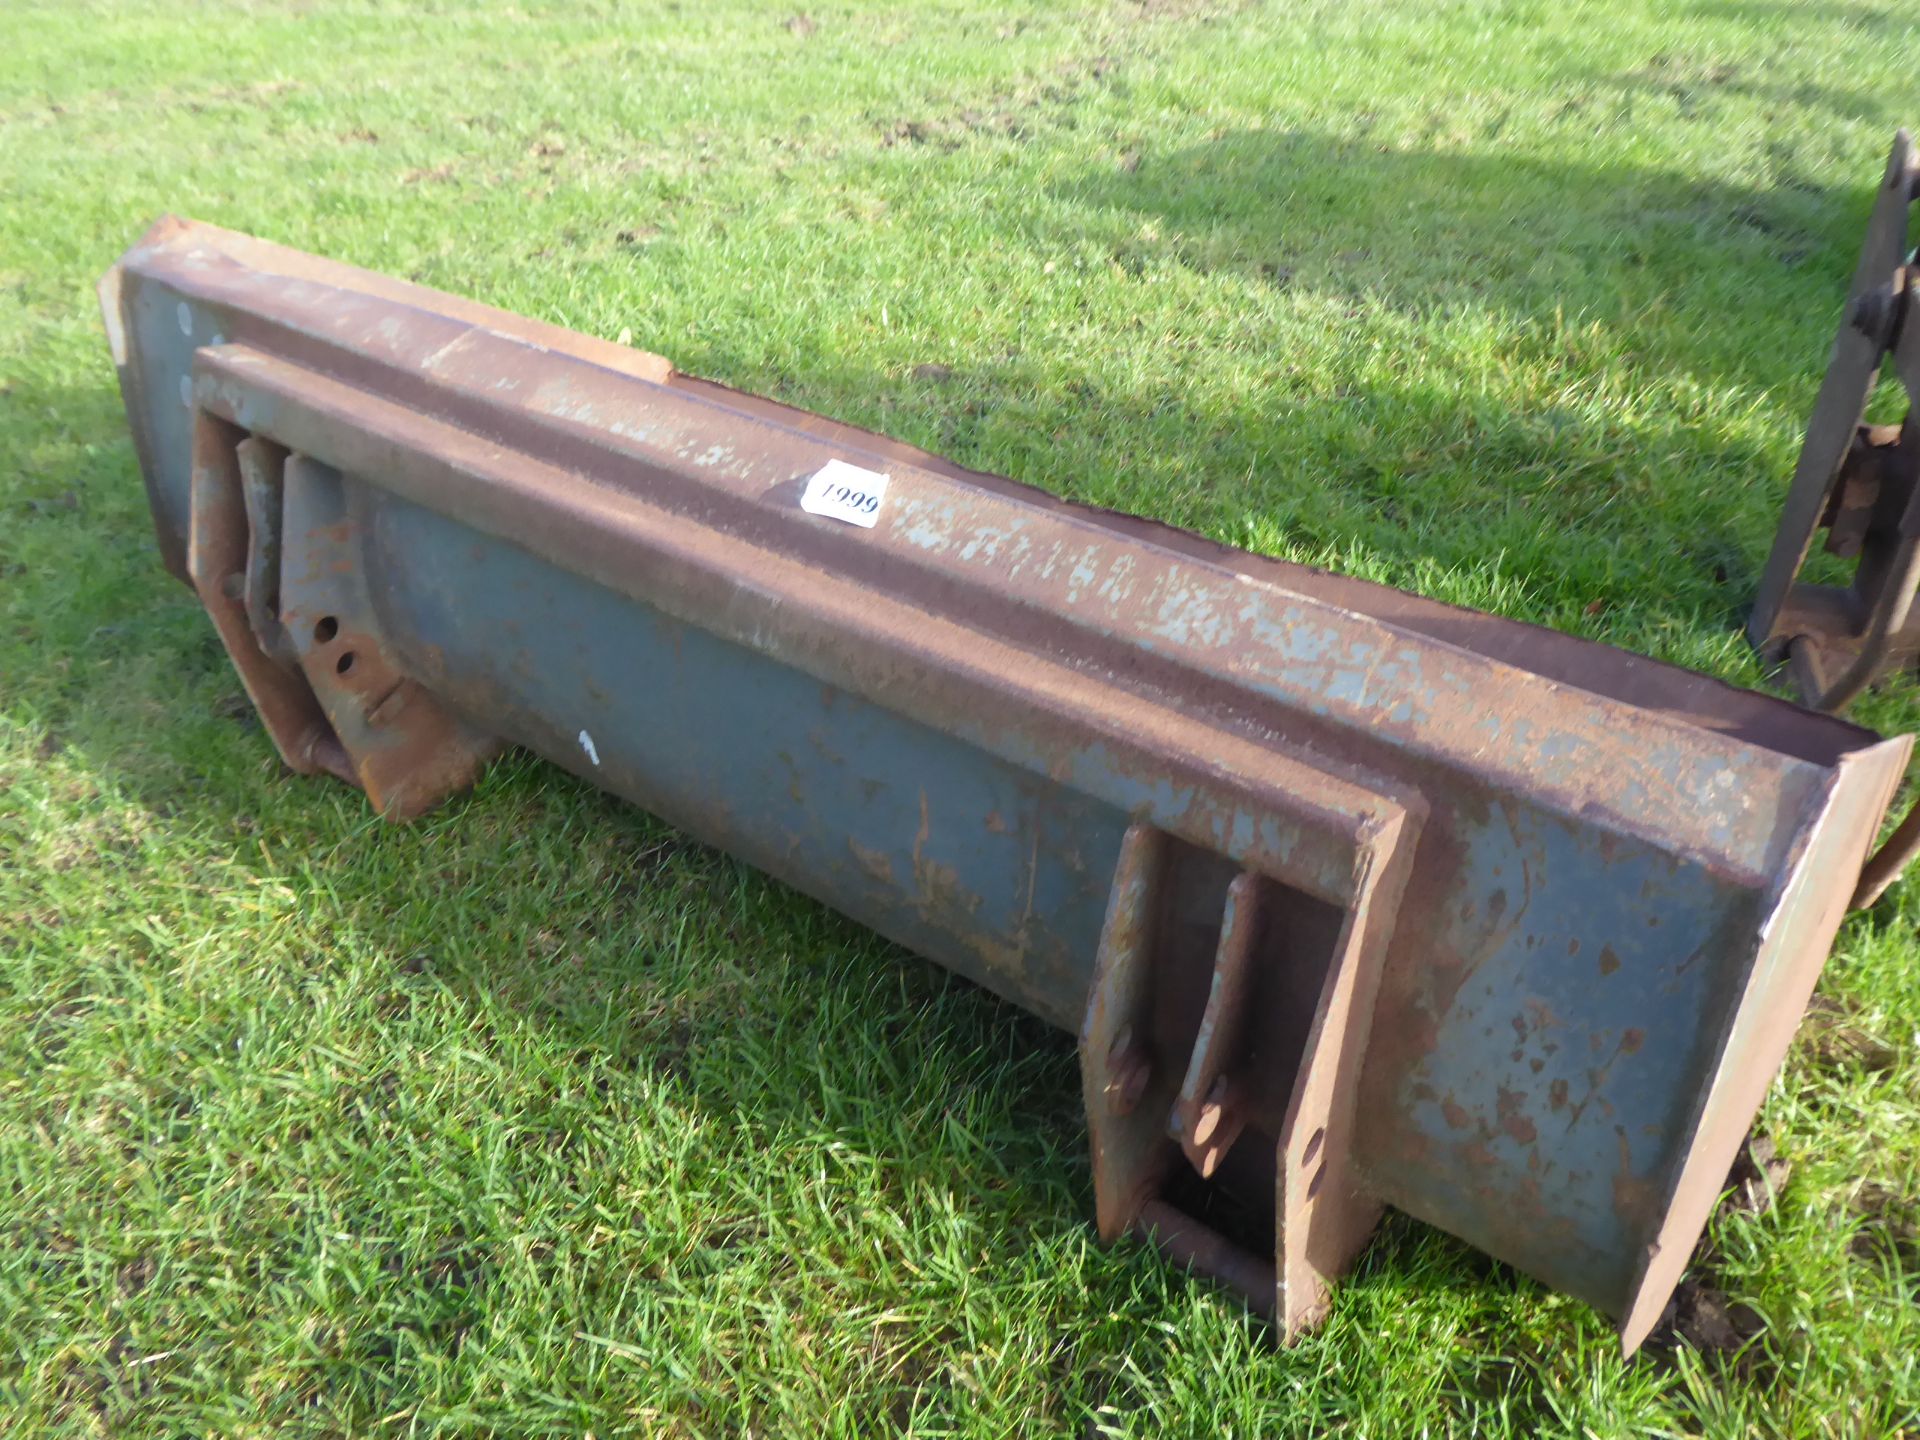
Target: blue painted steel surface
(1534, 914)
(800, 778)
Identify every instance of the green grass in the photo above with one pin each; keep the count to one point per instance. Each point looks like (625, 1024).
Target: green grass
(535, 1118)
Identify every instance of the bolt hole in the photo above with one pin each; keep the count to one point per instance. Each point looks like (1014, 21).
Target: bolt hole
(1313, 1147)
(326, 629)
(1319, 1179)
(346, 664)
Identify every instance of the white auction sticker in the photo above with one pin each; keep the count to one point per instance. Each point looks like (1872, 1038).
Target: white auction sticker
(845, 492)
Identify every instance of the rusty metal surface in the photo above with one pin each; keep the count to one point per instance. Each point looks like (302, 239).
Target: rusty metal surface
(1858, 482)
(1354, 899)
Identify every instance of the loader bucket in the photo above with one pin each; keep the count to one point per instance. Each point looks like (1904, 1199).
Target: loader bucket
(1352, 898)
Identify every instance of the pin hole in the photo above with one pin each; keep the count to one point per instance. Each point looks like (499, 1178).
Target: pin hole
(325, 629)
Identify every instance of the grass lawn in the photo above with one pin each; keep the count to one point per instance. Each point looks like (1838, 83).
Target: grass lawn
(535, 1118)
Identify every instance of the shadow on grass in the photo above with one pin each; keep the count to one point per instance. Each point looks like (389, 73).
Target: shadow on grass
(1802, 12)
(1692, 87)
(1690, 275)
